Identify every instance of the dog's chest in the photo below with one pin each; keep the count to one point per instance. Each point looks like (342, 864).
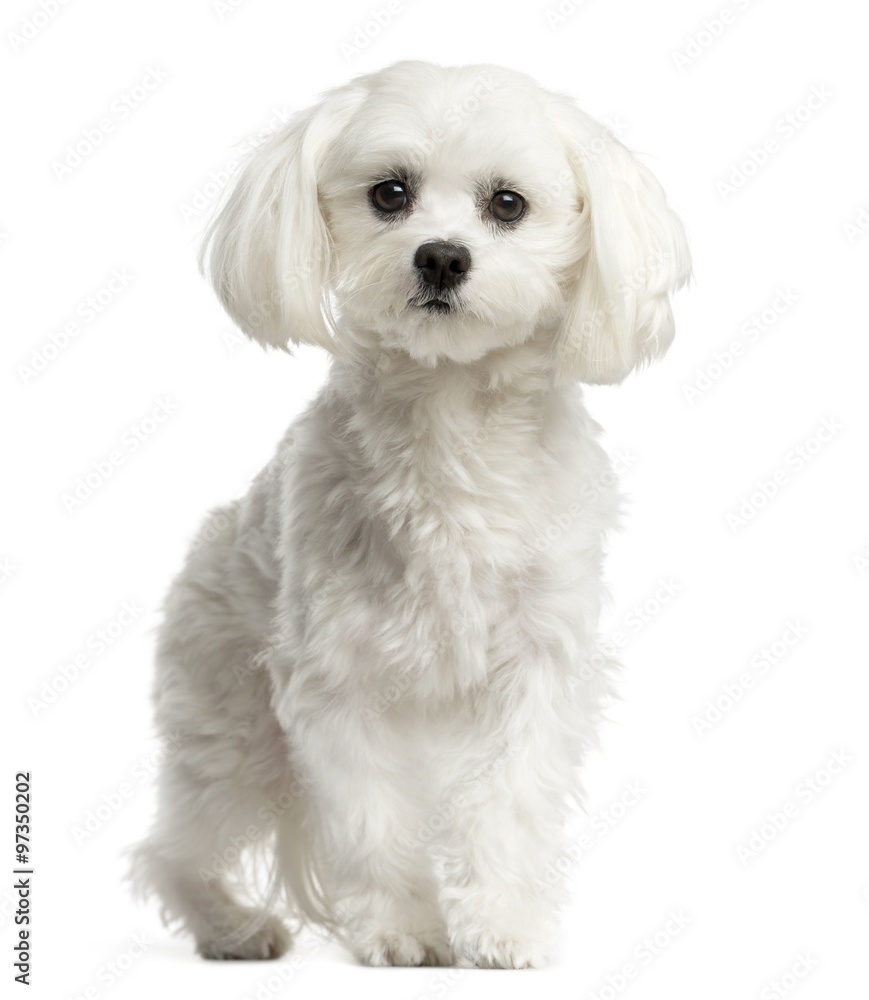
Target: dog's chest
(412, 544)
(454, 509)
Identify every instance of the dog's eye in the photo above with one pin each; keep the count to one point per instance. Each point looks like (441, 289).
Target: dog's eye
(389, 196)
(507, 206)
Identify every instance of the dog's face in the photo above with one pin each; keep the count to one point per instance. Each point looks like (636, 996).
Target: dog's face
(455, 217)
(449, 212)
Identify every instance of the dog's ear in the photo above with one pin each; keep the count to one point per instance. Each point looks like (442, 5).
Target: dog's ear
(268, 251)
(634, 254)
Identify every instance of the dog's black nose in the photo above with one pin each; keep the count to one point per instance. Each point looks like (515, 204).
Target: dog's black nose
(441, 264)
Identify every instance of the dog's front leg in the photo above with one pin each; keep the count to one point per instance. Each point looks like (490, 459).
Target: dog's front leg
(507, 803)
(364, 815)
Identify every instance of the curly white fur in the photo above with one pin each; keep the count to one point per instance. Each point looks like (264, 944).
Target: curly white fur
(382, 670)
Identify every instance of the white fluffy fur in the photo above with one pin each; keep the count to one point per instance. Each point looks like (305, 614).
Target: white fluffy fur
(381, 662)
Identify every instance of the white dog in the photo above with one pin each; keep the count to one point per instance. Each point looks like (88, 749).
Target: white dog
(381, 664)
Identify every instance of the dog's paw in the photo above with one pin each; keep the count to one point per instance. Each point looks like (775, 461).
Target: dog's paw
(392, 946)
(515, 935)
(269, 940)
(491, 952)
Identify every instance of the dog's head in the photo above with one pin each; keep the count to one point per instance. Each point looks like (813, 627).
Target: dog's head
(448, 212)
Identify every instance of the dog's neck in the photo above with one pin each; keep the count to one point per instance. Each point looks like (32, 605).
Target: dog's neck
(433, 397)
(445, 441)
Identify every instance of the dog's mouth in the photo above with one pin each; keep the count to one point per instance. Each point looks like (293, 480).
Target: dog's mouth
(437, 305)
(433, 304)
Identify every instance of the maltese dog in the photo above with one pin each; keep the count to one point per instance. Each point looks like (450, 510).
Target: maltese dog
(380, 666)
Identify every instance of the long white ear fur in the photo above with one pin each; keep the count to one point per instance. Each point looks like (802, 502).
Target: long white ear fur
(619, 315)
(268, 251)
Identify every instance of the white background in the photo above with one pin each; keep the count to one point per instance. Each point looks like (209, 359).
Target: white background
(790, 236)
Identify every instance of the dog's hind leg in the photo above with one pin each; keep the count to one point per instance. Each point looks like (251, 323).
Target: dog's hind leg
(229, 760)
(197, 843)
